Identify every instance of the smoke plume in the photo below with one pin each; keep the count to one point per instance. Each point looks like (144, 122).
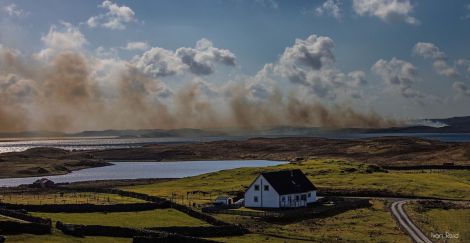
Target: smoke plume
(67, 93)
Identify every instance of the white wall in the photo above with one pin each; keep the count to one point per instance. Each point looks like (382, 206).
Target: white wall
(290, 200)
(266, 199)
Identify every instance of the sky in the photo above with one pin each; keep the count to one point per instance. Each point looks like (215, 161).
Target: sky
(156, 63)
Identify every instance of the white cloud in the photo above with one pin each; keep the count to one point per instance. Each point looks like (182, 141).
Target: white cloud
(310, 63)
(13, 11)
(65, 37)
(93, 22)
(432, 52)
(398, 75)
(131, 46)
(69, 37)
(204, 56)
(330, 8)
(428, 50)
(115, 18)
(461, 89)
(268, 3)
(262, 85)
(200, 60)
(358, 78)
(159, 62)
(465, 63)
(386, 10)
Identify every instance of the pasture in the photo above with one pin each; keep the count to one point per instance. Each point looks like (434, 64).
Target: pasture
(324, 173)
(41, 198)
(141, 219)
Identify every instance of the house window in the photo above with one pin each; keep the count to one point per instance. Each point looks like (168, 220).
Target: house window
(256, 187)
(303, 197)
(266, 187)
(309, 194)
(255, 199)
(283, 199)
(297, 197)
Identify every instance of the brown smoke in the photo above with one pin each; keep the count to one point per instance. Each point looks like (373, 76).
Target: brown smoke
(61, 96)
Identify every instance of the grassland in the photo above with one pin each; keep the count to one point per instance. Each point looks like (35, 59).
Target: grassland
(44, 161)
(58, 237)
(67, 198)
(362, 225)
(142, 219)
(325, 174)
(440, 221)
(403, 151)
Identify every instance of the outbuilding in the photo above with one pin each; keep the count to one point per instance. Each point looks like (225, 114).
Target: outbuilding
(43, 183)
(223, 200)
(280, 189)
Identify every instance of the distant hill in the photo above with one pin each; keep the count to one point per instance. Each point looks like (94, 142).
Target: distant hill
(150, 133)
(146, 133)
(30, 134)
(446, 125)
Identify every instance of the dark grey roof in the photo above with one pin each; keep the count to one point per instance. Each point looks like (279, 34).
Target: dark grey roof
(289, 181)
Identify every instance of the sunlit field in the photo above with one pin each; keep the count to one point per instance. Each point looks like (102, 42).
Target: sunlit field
(324, 173)
(67, 198)
(141, 219)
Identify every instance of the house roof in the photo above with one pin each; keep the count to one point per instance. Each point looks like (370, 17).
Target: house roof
(43, 180)
(289, 181)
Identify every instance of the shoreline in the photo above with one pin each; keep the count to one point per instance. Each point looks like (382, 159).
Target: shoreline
(382, 151)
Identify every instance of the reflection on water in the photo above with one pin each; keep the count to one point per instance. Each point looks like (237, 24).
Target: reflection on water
(92, 143)
(136, 170)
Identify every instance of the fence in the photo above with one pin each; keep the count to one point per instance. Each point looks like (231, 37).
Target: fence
(25, 217)
(204, 231)
(162, 201)
(11, 227)
(34, 225)
(84, 208)
(317, 211)
(143, 235)
(242, 212)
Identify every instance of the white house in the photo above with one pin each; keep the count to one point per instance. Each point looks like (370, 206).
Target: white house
(280, 189)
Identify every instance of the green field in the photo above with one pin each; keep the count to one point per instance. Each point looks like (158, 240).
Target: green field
(373, 224)
(142, 219)
(439, 220)
(67, 198)
(331, 174)
(58, 237)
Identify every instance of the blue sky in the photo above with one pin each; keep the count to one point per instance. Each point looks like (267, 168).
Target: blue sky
(423, 45)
